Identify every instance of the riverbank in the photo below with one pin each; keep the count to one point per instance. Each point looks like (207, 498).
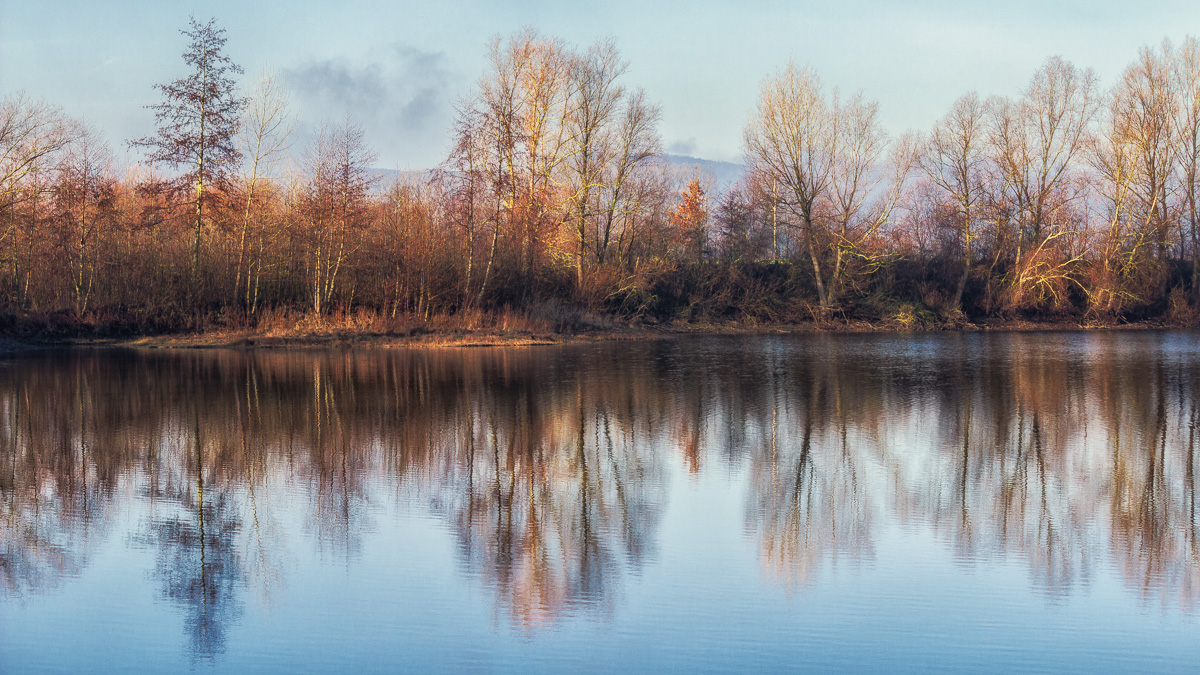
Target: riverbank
(334, 336)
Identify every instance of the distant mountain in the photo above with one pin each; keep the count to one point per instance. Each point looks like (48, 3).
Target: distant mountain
(386, 176)
(724, 174)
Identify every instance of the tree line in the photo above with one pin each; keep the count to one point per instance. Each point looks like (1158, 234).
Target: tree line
(556, 202)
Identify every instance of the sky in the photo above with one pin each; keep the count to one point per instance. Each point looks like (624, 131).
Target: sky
(398, 68)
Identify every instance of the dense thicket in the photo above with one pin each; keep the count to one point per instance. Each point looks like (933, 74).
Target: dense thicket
(555, 204)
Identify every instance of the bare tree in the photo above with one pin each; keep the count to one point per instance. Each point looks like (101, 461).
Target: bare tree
(1147, 104)
(84, 190)
(1187, 81)
(637, 143)
(1122, 241)
(1036, 143)
(825, 164)
(30, 132)
(197, 122)
(264, 136)
(865, 187)
(1039, 138)
(463, 174)
(335, 205)
(595, 104)
(955, 161)
(544, 95)
(490, 133)
(554, 140)
(790, 141)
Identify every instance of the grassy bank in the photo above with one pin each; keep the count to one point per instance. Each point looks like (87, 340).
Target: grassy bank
(479, 329)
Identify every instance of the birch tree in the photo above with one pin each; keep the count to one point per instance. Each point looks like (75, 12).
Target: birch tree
(264, 136)
(335, 206)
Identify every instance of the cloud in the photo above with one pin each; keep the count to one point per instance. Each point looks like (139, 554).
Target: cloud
(686, 148)
(400, 95)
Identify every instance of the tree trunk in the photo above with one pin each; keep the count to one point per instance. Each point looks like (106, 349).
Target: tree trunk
(822, 295)
(962, 281)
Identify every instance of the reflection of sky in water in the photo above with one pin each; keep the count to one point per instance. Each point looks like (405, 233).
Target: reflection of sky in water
(735, 503)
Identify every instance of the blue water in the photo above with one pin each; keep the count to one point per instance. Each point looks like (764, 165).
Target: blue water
(994, 502)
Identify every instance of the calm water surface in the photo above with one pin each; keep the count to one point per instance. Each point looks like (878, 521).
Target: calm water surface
(934, 502)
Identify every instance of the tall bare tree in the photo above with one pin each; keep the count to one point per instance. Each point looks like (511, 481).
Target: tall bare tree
(84, 195)
(866, 183)
(1147, 102)
(790, 141)
(339, 184)
(490, 134)
(1038, 139)
(637, 143)
(463, 175)
(545, 73)
(264, 136)
(595, 105)
(1187, 81)
(1121, 241)
(30, 132)
(1036, 143)
(955, 160)
(197, 122)
(827, 163)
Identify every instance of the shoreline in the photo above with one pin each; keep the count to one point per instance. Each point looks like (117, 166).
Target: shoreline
(449, 339)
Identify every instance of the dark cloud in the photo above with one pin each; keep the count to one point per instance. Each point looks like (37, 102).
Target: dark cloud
(401, 96)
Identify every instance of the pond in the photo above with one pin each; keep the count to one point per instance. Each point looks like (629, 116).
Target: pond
(931, 502)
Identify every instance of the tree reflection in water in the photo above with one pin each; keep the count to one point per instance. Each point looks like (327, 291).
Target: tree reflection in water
(54, 485)
(551, 490)
(809, 500)
(552, 467)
